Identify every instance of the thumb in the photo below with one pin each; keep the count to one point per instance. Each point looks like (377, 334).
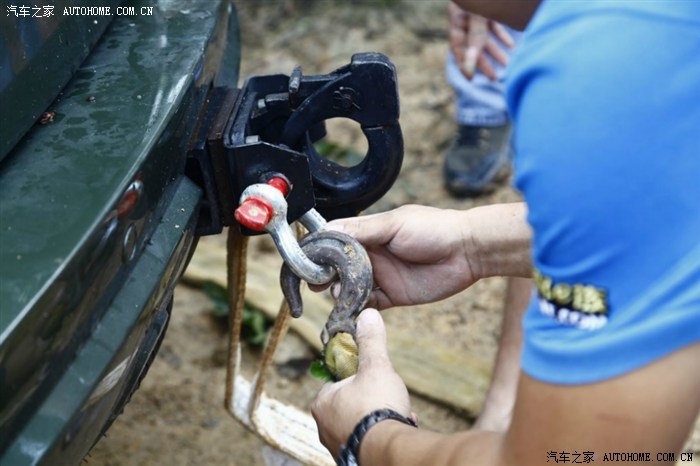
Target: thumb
(371, 341)
(367, 229)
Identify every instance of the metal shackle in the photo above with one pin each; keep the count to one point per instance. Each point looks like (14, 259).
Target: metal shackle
(270, 197)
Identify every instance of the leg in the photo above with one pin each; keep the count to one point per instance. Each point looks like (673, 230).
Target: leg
(478, 156)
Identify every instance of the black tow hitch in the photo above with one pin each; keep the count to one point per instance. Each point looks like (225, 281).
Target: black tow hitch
(268, 129)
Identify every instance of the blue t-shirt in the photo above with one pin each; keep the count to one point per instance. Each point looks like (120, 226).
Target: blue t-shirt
(605, 96)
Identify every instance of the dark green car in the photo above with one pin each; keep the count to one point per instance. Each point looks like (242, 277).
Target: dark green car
(123, 138)
(99, 102)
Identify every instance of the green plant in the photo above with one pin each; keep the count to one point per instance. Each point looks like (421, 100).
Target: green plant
(337, 153)
(255, 322)
(319, 370)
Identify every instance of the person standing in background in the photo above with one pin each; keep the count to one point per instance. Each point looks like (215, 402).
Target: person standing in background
(479, 156)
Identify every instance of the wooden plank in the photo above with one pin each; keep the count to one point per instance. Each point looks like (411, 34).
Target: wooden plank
(428, 367)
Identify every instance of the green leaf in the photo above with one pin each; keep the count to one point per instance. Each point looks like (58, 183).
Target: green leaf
(255, 323)
(337, 153)
(255, 326)
(320, 371)
(218, 296)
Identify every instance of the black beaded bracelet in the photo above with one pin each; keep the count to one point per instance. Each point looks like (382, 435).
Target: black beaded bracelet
(349, 452)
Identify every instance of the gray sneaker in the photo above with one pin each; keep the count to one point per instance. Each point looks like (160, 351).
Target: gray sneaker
(478, 160)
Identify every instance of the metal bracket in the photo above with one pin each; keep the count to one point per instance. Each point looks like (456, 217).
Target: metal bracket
(268, 128)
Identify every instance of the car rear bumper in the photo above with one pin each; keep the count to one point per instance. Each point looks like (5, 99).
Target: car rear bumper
(69, 419)
(96, 223)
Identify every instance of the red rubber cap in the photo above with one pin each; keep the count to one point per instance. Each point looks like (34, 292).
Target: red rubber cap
(280, 184)
(254, 213)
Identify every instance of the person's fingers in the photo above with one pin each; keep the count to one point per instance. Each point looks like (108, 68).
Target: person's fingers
(317, 406)
(486, 68)
(458, 17)
(371, 341)
(326, 393)
(477, 34)
(476, 38)
(379, 298)
(335, 290)
(502, 34)
(320, 288)
(327, 388)
(496, 53)
(367, 229)
(471, 57)
(458, 43)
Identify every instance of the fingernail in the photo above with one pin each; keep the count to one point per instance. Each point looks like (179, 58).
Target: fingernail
(370, 317)
(335, 290)
(470, 58)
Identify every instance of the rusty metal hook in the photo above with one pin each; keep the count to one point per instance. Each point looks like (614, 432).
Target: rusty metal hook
(350, 260)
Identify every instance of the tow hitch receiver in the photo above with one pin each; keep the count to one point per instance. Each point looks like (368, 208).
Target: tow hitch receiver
(268, 129)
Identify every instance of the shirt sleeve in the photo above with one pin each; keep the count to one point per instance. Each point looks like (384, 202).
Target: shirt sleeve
(608, 160)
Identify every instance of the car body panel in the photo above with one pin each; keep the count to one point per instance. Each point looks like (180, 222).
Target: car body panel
(38, 55)
(81, 199)
(86, 392)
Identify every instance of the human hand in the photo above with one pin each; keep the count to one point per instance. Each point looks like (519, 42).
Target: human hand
(340, 406)
(470, 42)
(419, 254)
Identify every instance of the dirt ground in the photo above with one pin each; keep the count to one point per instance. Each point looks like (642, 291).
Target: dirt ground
(177, 416)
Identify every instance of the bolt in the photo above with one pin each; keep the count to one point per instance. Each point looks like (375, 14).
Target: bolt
(345, 98)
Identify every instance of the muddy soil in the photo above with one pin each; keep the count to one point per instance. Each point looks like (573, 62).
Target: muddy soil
(177, 416)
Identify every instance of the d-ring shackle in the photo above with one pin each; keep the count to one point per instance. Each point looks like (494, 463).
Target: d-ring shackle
(365, 91)
(263, 207)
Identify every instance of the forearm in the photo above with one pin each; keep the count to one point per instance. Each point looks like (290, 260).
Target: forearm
(390, 442)
(497, 410)
(500, 238)
(515, 14)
